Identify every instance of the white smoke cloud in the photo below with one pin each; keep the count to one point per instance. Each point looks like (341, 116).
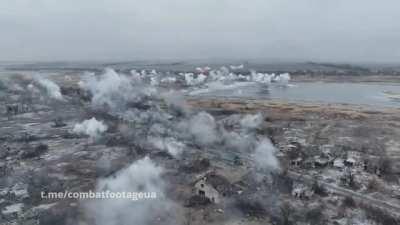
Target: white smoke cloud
(91, 127)
(203, 69)
(143, 176)
(168, 80)
(111, 89)
(171, 145)
(203, 128)
(265, 78)
(51, 88)
(175, 101)
(238, 131)
(252, 121)
(261, 77)
(242, 142)
(191, 80)
(137, 77)
(264, 155)
(282, 79)
(154, 81)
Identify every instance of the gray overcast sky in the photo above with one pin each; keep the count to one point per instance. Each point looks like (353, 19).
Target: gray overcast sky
(325, 30)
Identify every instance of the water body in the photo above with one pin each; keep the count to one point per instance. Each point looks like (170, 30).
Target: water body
(370, 94)
(319, 92)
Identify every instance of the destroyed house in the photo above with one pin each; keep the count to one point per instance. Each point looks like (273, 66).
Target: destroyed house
(203, 188)
(213, 187)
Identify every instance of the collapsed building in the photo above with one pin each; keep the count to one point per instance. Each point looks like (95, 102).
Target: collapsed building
(203, 188)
